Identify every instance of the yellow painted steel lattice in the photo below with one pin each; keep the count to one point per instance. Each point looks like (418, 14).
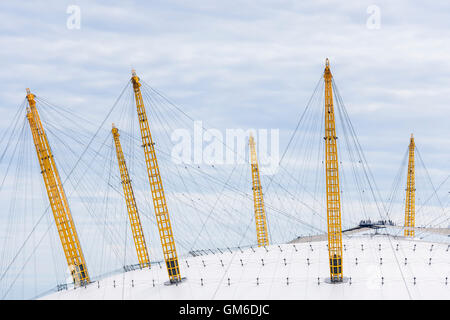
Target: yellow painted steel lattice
(332, 183)
(133, 214)
(410, 206)
(57, 197)
(258, 200)
(154, 177)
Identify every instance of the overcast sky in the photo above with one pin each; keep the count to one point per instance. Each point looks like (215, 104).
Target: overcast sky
(239, 64)
(245, 64)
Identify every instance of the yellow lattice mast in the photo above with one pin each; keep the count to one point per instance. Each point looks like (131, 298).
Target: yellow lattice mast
(410, 206)
(332, 182)
(133, 214)
(258, 200)
(156, 186)
(57, 197)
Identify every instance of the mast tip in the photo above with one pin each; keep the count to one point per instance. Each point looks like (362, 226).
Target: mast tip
(28, 91)
(133, 72)
(327, 62)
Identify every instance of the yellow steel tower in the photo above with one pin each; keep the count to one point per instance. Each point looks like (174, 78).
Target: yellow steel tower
(57, 197)
(332, 181)
(260, 212)
(410, 206)
(133, 214)
(154, 177)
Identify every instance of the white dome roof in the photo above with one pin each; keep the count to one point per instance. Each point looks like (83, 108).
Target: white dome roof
(374, 265)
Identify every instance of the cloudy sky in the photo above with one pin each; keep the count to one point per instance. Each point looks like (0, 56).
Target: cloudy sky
(245, 64)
